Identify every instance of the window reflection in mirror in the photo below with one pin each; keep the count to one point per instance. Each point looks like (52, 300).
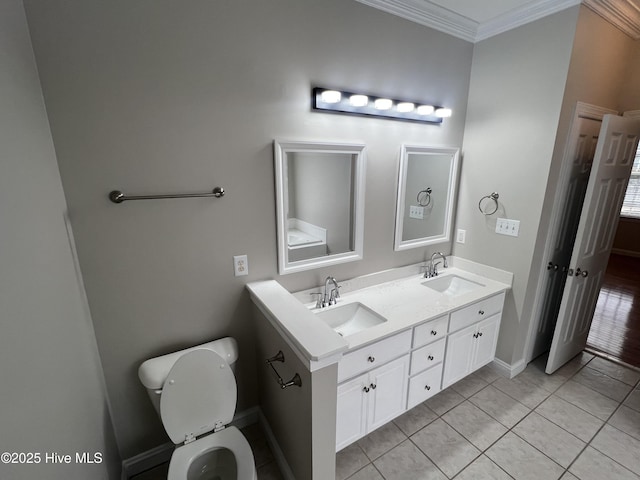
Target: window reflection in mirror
(320, 204)
(426, 194)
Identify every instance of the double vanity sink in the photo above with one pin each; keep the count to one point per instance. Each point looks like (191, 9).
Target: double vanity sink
(347, 319)
(392, 340)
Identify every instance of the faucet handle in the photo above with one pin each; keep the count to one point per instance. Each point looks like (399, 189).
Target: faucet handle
(335, 295)
(319, 299)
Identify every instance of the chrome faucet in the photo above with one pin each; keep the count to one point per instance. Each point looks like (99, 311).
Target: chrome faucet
(432, 269)
(330, 296)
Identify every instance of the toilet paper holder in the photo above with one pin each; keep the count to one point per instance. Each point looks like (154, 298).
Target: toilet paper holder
(279, 357)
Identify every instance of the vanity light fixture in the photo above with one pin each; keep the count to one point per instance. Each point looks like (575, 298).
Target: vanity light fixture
(340, 101)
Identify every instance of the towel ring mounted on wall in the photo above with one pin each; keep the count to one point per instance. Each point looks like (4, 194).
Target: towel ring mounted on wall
(487, 208)
(424, 197)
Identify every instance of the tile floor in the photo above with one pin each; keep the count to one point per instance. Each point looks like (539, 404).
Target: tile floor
(583, 423)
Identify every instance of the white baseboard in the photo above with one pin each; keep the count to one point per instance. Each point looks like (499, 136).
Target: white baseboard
(162, 453)
(279, 457)
(507, 370)
(627, 253)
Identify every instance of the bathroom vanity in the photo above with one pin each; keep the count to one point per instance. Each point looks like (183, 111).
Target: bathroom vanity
(393, 340)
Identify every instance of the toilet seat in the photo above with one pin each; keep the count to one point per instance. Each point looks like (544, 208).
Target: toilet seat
(199, 396)
(230, 438)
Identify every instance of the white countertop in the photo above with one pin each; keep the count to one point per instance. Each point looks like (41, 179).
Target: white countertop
(403, 302)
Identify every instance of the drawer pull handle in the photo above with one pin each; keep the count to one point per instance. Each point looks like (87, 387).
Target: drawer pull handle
(371, 359)
(366, 389)
(481, 312)
(479, 334)
(373, 386)
(433, 332)
(475, 335)
(427, 387)
(430, 357)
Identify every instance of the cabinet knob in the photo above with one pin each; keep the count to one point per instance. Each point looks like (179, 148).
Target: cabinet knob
(371, 359)
(479, 334)
(373, 386)
(366, 389)
(433, 332)
(430, 357)
(427, 387)
(481, 312)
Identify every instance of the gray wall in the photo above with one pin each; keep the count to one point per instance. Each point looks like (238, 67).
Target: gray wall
(52, 397)
(163, 96)
(515, 97)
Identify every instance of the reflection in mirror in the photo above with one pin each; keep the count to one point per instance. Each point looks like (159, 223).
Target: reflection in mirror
(320, 204)
(426, 194)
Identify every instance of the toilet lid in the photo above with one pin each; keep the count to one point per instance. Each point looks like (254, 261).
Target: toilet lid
(198, 396)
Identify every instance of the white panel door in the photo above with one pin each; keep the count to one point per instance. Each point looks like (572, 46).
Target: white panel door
(486, 340)
(388, 392)
(615, 152)
(582, 147)
(457, 363)
(351, 416)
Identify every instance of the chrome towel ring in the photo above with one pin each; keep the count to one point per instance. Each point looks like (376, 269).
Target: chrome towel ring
(487, 209)
(424, 197)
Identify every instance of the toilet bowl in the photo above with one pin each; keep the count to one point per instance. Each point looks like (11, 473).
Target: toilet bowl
(195, 392)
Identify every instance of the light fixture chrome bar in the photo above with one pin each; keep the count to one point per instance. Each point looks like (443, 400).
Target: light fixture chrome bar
(340, 101)
(116, 196)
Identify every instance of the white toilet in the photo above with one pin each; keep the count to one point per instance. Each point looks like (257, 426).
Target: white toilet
(195, 393)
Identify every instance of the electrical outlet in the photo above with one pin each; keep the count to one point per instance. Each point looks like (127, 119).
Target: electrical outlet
(240, 265)
(416, 212)
(505, 226)
(461, 236)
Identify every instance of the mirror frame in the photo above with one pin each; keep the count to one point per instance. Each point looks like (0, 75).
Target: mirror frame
(405, 151)
(281, 148)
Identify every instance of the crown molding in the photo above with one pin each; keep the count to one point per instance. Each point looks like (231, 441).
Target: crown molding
(430, 15)
(620, 13)
(522, 16)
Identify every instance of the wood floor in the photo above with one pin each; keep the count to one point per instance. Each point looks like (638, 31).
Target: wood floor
(615, 330)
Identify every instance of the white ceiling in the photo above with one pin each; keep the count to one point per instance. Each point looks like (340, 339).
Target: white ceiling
(475, 20)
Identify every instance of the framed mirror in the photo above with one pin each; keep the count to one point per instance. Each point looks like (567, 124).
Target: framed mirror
(427, 185)
(319, 204)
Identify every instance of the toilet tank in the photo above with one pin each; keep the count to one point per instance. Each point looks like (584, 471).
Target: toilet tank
(154, 372)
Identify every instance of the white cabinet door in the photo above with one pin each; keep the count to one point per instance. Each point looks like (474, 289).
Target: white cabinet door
(388, 392)
(351, 413)
(486, 340)
(459, 356)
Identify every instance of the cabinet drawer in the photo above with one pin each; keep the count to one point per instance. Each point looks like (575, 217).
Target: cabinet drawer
(478, 311)
(430, 331)
(427, 356)
(373, 355)
(424, 385)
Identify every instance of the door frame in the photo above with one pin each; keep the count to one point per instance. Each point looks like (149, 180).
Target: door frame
(582, 110)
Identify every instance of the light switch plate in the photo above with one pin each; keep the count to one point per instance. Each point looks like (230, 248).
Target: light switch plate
(506, 226)
(461, 236)
(416, 211)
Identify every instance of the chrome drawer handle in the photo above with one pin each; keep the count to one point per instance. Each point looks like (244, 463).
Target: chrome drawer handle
(427, 387)
(433, 332)
(373, 386)
(430, 357)
(371, 359)
(366, 389)
(481, 312)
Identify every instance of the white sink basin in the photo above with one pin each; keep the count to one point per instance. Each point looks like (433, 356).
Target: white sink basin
(452, 285)
(350, 318)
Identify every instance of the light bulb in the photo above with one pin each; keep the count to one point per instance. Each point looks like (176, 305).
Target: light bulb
(331, 96)
(425, 110)
(383, 104)
(406, 107)
(359, 100)
(443, 112)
